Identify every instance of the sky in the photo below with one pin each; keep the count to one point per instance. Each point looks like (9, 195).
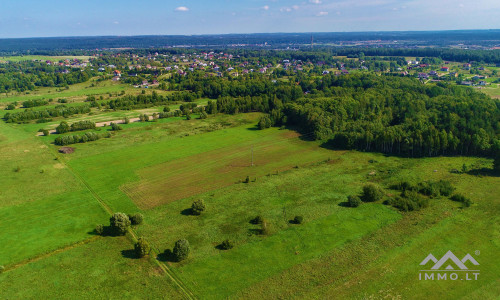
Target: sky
(47, 18)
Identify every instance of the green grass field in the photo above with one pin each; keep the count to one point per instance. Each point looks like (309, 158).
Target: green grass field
(50, 207)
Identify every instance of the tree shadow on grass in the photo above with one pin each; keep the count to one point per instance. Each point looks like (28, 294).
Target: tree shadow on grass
(166, 256)
(484, 172)
(344, 204)
(187, 212)
(130, 253)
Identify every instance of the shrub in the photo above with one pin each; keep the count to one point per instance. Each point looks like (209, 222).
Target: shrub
(136, 219)
(409, 201)
(265, 122)
(115, 127)
(119, 223)
(247, 180)
(226, 245)
(188, 117)
(126, 120)
(63, 127)
(166, 109)
(141, 248)
(371, 193)
(198, 207)
(99, 229)
(257, 220)
(45, 132)
(10, 107)
(181, 250)
(298, 220)
(353, 201)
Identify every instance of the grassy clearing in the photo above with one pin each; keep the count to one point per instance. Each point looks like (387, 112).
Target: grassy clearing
(97, 270)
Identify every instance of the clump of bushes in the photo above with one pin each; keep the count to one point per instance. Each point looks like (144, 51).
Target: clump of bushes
(74, 139)
(119, 223)
(198, 207)
(226, 245)
(461, 198)
(136, 219)
(409, 201)
(427, 188)
(298, 220)
(371, 193)
(181, 250)
(353, 201)
(141, 248)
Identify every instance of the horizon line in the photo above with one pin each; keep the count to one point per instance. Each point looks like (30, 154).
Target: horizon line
(243, 33)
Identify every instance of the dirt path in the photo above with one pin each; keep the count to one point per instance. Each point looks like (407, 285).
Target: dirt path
(101, 124)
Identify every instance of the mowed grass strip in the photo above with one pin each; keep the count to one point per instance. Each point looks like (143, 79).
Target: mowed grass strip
(277, 151)
(101, 269)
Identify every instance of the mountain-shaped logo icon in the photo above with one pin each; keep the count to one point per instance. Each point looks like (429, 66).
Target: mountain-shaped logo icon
(449, 256)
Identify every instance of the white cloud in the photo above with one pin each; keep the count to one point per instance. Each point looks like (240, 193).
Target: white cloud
(322, 13)
(116, 22)
(295, 7)
(285, 9)
(265, 7)
(182, 8)
(315, 1)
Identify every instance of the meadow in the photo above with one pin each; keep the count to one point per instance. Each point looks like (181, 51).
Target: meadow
(52, 202)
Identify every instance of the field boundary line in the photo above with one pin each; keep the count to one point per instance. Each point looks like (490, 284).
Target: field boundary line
(50, 253)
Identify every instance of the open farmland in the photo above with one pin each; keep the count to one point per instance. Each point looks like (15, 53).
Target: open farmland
(314, 176)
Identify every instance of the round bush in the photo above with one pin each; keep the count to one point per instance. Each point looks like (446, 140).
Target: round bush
(371, 193)
(119, 223)
(198, 207)
(136, 219)
(181, 250)
(141, 248)
(226, 245)
(353, 201)
(99, 229)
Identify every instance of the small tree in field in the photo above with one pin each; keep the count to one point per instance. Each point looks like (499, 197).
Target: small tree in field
(119, 223)
(99, 229)
(371, 193)
(136, 219)
(141, 248)
(226, 245)
(198, 207)
(181, 250)
(298, 220)
(353, 201)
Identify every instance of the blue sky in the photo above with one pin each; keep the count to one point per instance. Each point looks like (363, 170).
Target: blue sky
(36, 18)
